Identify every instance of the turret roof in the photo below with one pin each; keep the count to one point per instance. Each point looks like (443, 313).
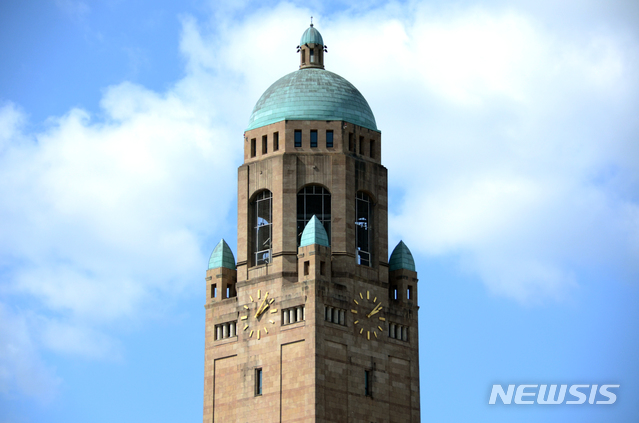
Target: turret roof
(314, 233)
(222, 256)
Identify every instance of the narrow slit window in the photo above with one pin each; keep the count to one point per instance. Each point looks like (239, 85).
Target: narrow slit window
(409, 293)
(313, 138)
(258, 382)
(351, 142)
(329, 139)
(253, 147)
(298, 138)
(363, 232)
(371, 152)
(306, 268)
(213, 290)
(361, 145)
(368, 383)
(276, 141)
(322, 265)
(264, 144)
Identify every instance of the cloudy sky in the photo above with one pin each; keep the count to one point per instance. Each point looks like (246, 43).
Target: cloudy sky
(510, 131)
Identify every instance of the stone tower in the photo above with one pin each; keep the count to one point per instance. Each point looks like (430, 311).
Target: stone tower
(314, 323)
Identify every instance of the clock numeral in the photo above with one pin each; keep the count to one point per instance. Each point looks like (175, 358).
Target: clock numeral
(246, 307)
(258, 334)
(353, 311)
(368, 295)
(361, 296)
(259, 294)
(243, 317)
(368, 335)
(265, 330)
(274, 311)
(375, 299)
(251, 334)
(245, 327)
(251, 298)
(375, 333)
(272, 300)
(383, 319)
(361, 330)
(272, 322)
(380, 328)
(355, 301)
(356, 322)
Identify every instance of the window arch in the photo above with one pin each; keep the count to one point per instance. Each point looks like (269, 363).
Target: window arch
(262, 227)
(363, 228)
(313, 200)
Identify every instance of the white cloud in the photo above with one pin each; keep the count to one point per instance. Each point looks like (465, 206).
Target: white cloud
(22, 371)
(97, 206)
(106, 220)
(515, 162)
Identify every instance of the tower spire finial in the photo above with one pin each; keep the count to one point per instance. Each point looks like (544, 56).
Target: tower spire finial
(311, 21)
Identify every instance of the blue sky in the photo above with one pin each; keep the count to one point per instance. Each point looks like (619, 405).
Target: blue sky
(509, 130)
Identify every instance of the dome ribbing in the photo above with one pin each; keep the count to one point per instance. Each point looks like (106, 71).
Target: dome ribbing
(312, 94)
(311, 36)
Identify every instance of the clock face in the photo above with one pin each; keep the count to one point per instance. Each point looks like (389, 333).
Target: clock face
(367, 314)
(259, 314)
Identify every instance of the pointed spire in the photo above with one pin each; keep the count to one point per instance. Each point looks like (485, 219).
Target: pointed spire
(222, 256)
(401, 258)
(314, 233)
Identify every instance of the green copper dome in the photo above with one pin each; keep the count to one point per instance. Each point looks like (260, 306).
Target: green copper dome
(401, 258)
(314, 233)
(312, 94)
(311, 36)
(222, 256)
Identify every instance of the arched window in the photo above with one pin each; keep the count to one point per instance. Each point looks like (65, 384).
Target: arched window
(262, 227)
(313, 200)
(363, 230)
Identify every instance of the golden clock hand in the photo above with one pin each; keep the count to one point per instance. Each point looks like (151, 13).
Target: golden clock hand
(260, 309)
(373, 311)
(376, 310)
(266, 306)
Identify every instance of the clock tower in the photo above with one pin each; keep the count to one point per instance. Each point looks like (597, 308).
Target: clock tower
(314, 322)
